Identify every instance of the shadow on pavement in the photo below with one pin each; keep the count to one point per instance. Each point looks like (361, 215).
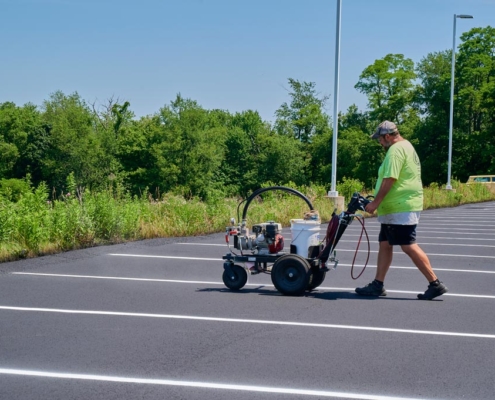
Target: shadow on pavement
(263, 291)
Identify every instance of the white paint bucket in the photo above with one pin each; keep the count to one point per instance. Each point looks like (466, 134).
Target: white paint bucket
(305, 233)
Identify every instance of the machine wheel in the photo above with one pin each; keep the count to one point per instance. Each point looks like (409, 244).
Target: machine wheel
(316, 279)
(235, 280)
(290, 274)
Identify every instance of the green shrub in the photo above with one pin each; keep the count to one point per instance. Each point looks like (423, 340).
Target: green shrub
(34, 225)
(14, 189)
(348, 187)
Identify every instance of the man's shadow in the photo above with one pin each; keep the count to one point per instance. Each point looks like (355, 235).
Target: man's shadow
(262, 290)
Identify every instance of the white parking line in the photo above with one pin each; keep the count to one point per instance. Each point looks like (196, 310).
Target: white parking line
(468, 218)
(438, 244)
(425, 237)
(353, 241)
(339, 250)
(248, 321)
(451, 232)
(487, 225)
(455, 226)
(200, 385)
(168, 257)
(342, 265)
(119, 278)
(431, 254)
(374, 231)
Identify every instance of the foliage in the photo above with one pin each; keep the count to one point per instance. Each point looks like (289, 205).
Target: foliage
(348, 187)
(13, 189)
(388, 84)
(74, 174)
(304, 117)
(35, 225)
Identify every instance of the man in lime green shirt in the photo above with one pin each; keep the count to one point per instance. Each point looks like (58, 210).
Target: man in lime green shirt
(398, 202)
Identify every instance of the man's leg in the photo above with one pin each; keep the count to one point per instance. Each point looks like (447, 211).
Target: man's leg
(420, 260)
(384, 260)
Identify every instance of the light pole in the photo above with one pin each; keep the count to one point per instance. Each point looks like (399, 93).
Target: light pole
(333, 191)
(451, 120)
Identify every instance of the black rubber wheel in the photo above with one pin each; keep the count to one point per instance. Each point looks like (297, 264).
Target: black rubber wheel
(316, 279)
(237, 279)
(290, 275)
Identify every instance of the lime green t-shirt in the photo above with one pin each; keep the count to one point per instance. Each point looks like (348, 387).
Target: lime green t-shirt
(401, 163)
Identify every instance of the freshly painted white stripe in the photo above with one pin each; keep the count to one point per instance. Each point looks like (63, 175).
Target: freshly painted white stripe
(167, 257)
(454, 226)
(464, 224)
(456, 244)
(208, 244)
(429, 254)
(474, 271)
(481, 216)
(436, 244)
(481, 228)
(422, 231)
(456, 238)
(200, 385)
(119, 278)
(248, 321)
(345, 265)
(427, 228)
(219, 259)
(453, 232)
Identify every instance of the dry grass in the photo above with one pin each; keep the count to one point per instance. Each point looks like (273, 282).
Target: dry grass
(33, 226)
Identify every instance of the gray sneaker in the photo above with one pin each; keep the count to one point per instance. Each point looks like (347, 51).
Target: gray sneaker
(433, 291)
(372, 289)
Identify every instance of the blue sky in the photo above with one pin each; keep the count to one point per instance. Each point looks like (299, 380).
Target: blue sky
(232, 55)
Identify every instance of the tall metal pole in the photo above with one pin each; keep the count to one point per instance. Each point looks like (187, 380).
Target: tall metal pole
(333, 192)
(451, 119)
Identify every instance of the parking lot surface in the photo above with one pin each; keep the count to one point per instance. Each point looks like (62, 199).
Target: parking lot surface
(153, 320)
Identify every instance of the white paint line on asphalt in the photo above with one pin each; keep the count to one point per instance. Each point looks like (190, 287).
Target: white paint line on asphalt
(430, 254)
(348, 265)
(481, 216)
(466, 219)
(448, 244)
(353, 241)
(456, 238)
(167, 257)
(339, 250)
(199, 385)
(248, 321)
(434, 231)
(474, 271)
(420, 243)
(455, 226)
(211, 244)
(119, 278)
(455, 231)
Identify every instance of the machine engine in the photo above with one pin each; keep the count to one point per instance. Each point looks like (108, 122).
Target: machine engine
(265, 238)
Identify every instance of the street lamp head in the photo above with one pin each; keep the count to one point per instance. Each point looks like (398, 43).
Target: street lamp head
(464, 16)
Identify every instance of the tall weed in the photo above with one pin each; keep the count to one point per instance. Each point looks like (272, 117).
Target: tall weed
(33, 225)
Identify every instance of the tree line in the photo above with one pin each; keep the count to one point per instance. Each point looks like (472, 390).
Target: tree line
(189, 150)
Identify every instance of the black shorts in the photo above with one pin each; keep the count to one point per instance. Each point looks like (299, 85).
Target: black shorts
(397, 234)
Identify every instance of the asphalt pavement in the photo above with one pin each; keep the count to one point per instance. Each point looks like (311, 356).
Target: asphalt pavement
(153, 320)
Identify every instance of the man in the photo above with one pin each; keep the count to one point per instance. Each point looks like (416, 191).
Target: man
(399, 201)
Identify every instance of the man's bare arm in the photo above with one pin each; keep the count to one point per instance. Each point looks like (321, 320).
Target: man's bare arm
(385, 187)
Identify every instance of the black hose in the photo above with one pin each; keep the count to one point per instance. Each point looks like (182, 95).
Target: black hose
(283, 188)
